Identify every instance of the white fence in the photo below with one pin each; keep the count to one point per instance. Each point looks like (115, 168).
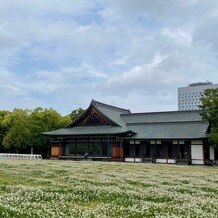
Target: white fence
(20, 156)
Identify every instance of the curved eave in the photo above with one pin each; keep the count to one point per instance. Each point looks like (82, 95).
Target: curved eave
(89, 130)
(96, 134)
(166, 138)
(86, 111)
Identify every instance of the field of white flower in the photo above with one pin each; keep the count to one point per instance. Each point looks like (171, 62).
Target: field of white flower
(46, 188)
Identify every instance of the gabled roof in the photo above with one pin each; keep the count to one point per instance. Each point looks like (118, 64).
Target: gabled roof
(108, 112)
(155, 125)
(105, 118)
(111, 115)
(114, 113)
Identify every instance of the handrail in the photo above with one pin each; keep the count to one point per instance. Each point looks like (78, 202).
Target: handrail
(21, 156)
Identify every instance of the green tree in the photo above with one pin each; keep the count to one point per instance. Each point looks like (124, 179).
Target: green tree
(4, 116)
(18, 134)
(43, 120)
(76, 113)
(210, 113)
(23, 128)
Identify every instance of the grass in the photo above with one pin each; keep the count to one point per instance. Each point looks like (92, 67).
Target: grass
(46, 188)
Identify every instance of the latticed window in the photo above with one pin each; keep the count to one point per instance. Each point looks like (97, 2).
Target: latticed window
(93, 119)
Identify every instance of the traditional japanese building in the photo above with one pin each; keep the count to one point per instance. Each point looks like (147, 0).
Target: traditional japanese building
(106, 132)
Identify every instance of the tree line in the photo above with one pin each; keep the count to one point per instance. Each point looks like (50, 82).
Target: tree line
(209, 109)
(20, 130)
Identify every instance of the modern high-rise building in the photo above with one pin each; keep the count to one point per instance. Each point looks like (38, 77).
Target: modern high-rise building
(189, 97)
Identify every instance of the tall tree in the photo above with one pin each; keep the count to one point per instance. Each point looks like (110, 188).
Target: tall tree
(210, 112)
(18, 134)
(3, 125)
(23, 128)
(76, 113)
(43, 120)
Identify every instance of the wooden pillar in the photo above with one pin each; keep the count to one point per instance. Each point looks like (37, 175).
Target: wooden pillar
(155, 153)
(93, 150)
(108, 147)
(121, 150)
(152, 150)
(101, 147)
(88, 146)
(190, 153)
(63, 145)
(167, 149)
(178, 150)
(75, 146)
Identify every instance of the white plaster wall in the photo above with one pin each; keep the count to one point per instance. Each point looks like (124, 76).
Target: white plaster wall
(171, 161)
(197, 162)
(212, 156)
(130, 159)
(166, 161)
(197, 154)
(161, 160)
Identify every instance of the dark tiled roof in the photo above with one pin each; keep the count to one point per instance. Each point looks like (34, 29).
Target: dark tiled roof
(114, 113)
(122, 110)
(169, 116)
(157, 125)
(176, 130)
(89, 130)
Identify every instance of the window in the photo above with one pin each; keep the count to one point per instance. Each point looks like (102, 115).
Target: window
(92, 119)
(95, 149)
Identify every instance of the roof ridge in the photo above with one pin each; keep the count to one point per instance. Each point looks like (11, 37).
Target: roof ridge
(95, 103)
(173, 122)
(86, 111)
(164, 112)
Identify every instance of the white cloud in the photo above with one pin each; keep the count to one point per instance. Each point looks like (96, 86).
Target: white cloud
(142, 78)
(4, 73)
(64, 53)
(179, 36)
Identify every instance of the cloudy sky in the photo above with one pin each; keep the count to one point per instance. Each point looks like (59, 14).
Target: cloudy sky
(130, 53)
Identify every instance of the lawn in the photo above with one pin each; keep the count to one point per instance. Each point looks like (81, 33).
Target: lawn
(46, 188)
